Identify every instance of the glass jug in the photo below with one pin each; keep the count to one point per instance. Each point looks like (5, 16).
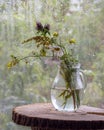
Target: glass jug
(68, 98)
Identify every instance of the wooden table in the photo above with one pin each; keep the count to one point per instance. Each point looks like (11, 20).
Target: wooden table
(43, 116)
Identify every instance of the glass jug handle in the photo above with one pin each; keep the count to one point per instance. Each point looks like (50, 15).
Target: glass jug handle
(83, 78)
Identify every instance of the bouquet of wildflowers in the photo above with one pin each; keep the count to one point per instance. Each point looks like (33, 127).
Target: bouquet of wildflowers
(50, 46)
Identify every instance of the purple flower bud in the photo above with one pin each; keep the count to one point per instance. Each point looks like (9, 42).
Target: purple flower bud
(47, 27)
(39, 26)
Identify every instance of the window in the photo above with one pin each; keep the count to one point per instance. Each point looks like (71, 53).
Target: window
(25, 83)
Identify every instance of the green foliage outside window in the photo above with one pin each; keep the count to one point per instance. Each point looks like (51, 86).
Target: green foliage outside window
(26, 83)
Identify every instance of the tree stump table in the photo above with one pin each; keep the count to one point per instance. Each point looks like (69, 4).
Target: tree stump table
(43, 116)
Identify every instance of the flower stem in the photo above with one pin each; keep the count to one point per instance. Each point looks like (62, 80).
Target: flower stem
(74, 100)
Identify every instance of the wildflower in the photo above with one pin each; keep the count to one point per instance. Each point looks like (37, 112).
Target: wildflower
(30, 39)
(39, 26)
(47, 27)
(9, 65)
(55, 34)
(72, 41)
(43, 52)
(38, 39)
(57, 48)
(12, 63)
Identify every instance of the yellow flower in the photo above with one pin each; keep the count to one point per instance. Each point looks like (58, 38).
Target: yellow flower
(9, 65)
(43, 52)
(55, 34)
(72, 41)
(12, 63)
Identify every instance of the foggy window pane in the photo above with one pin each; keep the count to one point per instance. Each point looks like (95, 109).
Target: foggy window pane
(25, 83)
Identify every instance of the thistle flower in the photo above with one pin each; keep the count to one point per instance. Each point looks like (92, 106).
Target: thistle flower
(39, 26)
(47, 27)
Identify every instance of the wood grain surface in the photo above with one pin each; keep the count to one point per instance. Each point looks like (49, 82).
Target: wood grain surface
(43, 116)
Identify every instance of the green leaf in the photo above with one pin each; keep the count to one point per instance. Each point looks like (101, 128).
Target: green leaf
(63, 93)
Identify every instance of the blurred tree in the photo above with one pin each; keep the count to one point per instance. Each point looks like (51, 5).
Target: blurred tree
(25, 83)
